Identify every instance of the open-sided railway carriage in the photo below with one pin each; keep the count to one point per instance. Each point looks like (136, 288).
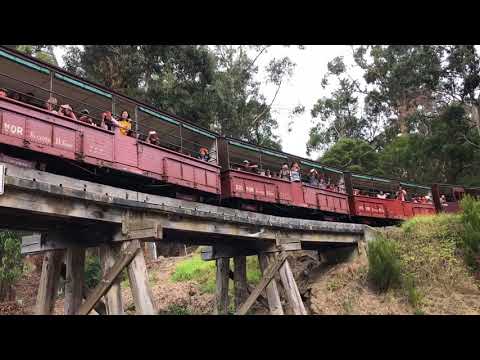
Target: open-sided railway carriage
(31, 136)
(256, 191)
(91, 150)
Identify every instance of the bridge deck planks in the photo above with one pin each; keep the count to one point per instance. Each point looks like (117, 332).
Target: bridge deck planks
(60, 196)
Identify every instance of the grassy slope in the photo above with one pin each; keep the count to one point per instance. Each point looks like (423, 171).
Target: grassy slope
(435, 279)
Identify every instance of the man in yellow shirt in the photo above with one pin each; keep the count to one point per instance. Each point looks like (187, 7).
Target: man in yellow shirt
(125, 123)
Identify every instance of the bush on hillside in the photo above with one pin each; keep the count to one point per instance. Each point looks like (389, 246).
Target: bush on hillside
(11, 264)
(383, 264)
(471, 239)
(427, 246)
(93, 271)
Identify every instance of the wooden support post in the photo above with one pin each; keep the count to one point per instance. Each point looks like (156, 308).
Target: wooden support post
(74, 281)
(240, 280)
(48, 287)
(138, 277)
(221, 294)
(123, 260)
(268, 277)
(291, 290)
(273, 296)
(113, 297)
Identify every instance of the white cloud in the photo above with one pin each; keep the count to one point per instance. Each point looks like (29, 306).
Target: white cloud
(303, 88)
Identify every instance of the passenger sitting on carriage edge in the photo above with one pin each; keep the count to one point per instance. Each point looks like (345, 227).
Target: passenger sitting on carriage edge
(295, 172)
(66, 110)
(204, 154)
(85, 117)
(153, 138)
(284, 173)
(125, 123)
(313, 177)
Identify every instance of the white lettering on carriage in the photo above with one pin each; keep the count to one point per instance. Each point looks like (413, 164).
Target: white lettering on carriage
(13, 129)
(39, 138)
(62, 142)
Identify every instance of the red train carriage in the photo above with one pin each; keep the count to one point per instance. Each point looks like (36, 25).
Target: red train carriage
(27, 124)
(375, 199)
(257, 190)
(32, 135)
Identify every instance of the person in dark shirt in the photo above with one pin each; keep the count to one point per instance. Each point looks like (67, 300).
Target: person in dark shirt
(85, 117)
(204, 154)
(247, 166)
(153, 138)
(313, 178)
(284, 172)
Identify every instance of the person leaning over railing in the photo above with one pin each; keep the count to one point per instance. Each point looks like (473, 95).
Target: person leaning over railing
(51, 104)
(313, 178)
(108, 121)
(66, 110)
(284, 173)
(85, 117)
(204, 156)
(125, 123)
(153, 138)
(295, 172)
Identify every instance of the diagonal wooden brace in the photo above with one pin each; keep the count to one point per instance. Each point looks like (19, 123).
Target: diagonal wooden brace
(123, 260)
(267, 277)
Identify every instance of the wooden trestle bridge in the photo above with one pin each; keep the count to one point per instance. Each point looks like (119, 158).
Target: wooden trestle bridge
(68, 215)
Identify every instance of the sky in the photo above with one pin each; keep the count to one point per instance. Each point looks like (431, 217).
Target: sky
(303, 88)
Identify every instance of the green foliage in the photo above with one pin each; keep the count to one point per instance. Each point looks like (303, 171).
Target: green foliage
(417, 105)
(414, 295)
(353, 155)
(212, 86)
(41, 52)
(175, 309)
(471, 240)
(203, 272)
(383, 264)
(93, 271)
(428, 248)
(11, 264)
(254, 275)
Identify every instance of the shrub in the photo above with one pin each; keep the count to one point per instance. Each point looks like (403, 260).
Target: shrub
(175, 309)
(384, 266)
(93, 271)
(414, 296)
(471, 240)
(11, 264)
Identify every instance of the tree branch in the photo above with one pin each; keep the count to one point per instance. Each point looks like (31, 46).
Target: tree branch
(268, 107)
